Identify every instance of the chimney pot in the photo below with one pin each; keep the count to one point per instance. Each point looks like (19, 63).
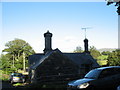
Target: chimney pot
(48, 46)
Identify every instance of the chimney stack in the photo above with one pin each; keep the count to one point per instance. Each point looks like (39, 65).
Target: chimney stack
(48, 46)
(86, 45)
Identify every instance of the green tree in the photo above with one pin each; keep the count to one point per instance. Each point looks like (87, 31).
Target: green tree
(78, 49)
(6, 65)
(94, 52)
(114, 58)
(15, 50)
(117, 3)
(106, 53)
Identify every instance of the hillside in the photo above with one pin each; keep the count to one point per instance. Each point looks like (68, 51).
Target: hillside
(106, 49)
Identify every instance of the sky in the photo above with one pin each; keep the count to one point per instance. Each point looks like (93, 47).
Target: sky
(30, 20)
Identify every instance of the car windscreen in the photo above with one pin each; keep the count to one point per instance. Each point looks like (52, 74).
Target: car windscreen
(93, 74)
(17, 74)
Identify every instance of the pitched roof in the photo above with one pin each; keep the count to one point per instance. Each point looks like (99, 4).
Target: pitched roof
(37, 59)
(78, 58)
(81, 58)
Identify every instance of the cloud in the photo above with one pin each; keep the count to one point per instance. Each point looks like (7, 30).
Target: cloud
(70, 39)
(67, 43)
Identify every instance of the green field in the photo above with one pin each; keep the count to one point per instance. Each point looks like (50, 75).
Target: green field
(102, 62)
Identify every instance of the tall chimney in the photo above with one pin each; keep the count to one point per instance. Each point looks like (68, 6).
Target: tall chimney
(86, 45)
(48, 46)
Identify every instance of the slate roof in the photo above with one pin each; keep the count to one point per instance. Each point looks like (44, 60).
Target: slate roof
(81, 58)
(78, 58)
(37, 59)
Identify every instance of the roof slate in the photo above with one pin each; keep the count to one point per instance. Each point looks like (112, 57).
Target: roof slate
(78, 58)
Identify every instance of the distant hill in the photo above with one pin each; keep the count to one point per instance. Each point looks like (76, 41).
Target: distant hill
(106, 49)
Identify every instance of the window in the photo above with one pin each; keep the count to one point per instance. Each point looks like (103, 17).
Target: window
(107, 72)
(117, 70)
(93, 74)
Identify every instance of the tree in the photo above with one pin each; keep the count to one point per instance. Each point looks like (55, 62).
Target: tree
(17, 47)
(106, 53)
(114, 58)
(15, 50)
(5, 64)
(94, 52)
(78, 49)
(117, 3)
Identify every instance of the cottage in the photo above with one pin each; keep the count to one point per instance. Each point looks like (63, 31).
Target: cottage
(55, 65)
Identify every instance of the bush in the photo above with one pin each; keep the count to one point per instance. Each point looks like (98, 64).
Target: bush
(3, 76)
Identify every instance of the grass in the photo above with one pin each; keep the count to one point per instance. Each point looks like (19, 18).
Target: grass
(102, 57)
(18, 84)
(102, 62)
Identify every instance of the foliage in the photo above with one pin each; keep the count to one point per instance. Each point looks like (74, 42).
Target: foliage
(78, 49)
(111, 2)
(5, 63)
(4, 76)
(17, 47)
(102, 62)
(94, 52)
(102, 57)
(117, 3)
(18, 84)
(13, 60)
(114, 58)
(106, 50)
(106, 53)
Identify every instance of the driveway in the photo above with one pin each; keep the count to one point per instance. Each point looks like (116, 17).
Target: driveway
(4, 85)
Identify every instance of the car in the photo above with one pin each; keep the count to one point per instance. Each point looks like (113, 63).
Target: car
(106, 78)
(17, 78)
(118, 87)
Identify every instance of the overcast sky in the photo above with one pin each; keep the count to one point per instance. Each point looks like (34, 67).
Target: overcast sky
(30, 20)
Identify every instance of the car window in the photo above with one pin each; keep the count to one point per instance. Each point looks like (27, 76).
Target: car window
(17, 74)
(117, 70)
(93, 74)
(107, 72)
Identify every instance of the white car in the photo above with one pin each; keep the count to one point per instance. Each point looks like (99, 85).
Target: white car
(17, 77)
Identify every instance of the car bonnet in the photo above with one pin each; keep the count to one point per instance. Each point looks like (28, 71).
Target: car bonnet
(80, 81)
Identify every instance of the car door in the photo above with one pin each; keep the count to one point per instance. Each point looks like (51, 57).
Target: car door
(105, 79)
(116, 77)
